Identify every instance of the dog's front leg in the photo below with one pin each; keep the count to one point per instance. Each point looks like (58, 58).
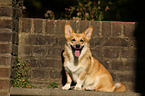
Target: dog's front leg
(68, 83)
(80, 81)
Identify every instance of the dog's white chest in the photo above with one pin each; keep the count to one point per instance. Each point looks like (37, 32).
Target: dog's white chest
(74, 70)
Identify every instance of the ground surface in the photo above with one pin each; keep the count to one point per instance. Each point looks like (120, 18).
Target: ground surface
(59, 92)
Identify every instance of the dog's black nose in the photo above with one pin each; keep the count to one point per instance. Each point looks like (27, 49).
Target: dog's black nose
(77, 45)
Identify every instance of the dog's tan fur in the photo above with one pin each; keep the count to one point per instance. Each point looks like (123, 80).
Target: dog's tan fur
(81, 67)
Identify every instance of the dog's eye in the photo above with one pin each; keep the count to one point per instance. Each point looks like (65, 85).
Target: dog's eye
(81, 40)
(73, 39)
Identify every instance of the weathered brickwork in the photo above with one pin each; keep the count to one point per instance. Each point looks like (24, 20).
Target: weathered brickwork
(9, 15)
(41, 42)
(5, 46)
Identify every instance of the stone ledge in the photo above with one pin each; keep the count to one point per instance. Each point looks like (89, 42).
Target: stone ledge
(58, 92)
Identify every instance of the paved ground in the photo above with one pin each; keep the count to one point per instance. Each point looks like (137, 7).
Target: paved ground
(59, 92)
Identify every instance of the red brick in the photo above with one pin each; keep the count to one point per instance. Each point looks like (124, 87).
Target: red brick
(129, 29)
(5, 48)
(109, 52)
(50, 26)
(95, 41)
(5, 60)
(116, 28)
(38, 25)
(5, 11)
(6, 1)
(60, 41)
(38, 50)
(26, 25)
(126, 77)
(51, 63)
(55, 74)
(4, 72)
(73, 24)
(96, 52)
(104, 63)
(96, 28)
(129, 53)
(106, 28)
(83, 25)
(4, 84)
(40, 73)
(115, 42)
(122, 65)
(54, 52)
(59, 28)
(27, 50)
(6, 37)
(40, 40)
(6, 24)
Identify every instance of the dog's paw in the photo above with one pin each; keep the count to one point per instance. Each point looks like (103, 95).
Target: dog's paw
(77, 88)
(66, 87)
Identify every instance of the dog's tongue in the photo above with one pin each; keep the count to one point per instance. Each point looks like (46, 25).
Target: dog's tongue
(77, 53)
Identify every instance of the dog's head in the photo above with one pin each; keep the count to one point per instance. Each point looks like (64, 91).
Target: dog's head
(77, 41)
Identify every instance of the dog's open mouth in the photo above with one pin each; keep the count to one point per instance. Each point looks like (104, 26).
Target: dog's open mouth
(77, 51)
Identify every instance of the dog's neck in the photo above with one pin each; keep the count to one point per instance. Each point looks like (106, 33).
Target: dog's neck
(76, 60)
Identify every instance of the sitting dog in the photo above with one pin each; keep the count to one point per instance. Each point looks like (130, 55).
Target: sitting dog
(82, 68)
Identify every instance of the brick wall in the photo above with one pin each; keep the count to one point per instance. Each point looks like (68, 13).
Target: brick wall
(5, 45)
(41, 42)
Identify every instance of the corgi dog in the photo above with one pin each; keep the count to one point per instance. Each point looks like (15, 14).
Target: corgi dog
(82, 68)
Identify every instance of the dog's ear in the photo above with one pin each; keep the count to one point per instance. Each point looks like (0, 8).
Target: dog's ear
(88, 33)
(68, 30)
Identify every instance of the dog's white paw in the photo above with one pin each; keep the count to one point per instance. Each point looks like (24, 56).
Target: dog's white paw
(88, 88)
(77, 88)
(66, 87)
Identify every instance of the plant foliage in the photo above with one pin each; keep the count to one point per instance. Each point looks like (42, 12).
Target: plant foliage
(87, 10)
(22, 75)
(52, 85)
